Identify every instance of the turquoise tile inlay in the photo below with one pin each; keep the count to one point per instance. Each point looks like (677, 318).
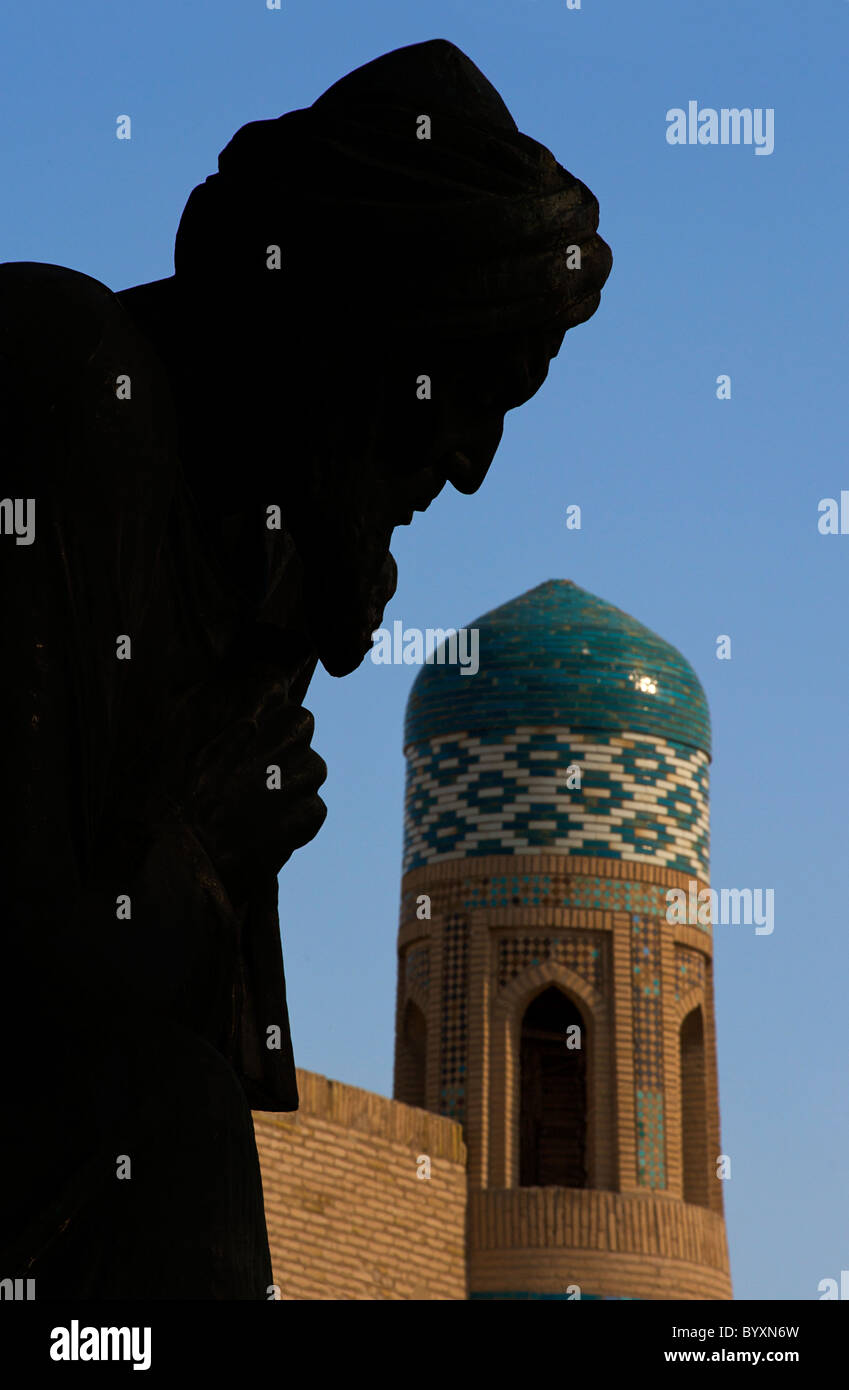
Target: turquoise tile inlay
(651, 1142)
(560, 655)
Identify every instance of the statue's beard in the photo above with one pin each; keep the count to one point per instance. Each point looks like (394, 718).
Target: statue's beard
(346, 597)
(350, 574)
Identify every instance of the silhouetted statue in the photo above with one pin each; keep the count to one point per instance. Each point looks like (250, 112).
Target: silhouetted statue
(217, 462)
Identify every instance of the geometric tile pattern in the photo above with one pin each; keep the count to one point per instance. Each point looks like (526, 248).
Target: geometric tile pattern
(689, 970)
(559, 890)
(650, 1139)
(641, 799)
(453, 1033)
(648, 1050)
(578, 951)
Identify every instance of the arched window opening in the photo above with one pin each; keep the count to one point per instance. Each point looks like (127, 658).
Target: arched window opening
(695, 1154)
(553, 1110)
(414, 1056)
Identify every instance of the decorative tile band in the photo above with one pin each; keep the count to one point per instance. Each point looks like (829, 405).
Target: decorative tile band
(566, 890)
(585, 885)
(650, 1139)
(640, 800)
(452, 1051)
(648, 1050)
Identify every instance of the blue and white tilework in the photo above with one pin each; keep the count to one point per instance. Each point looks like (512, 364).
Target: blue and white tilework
(642, 799)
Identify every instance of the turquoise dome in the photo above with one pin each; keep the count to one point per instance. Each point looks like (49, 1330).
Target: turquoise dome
(559, 656)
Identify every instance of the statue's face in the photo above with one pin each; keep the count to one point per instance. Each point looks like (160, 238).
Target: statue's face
(415, 448)
(350, 574)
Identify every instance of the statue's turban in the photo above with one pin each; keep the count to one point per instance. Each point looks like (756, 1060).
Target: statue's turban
(462, 235)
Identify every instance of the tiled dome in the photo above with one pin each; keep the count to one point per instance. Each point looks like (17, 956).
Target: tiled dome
(557, 655)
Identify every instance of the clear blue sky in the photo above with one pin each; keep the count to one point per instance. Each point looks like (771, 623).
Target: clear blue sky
(699, 515)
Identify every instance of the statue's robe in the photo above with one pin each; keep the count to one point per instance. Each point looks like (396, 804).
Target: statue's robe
(142, 1036)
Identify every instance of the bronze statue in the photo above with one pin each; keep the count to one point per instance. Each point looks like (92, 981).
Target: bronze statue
(217, 462)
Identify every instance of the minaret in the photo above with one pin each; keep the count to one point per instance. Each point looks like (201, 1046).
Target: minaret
(544, 1000)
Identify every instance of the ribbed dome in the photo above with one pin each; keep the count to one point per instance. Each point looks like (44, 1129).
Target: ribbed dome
(559, 656)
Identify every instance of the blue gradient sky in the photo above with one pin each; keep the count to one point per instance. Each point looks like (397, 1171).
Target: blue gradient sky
(699, 516)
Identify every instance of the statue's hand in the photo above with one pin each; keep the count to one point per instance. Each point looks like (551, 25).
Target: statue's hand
(252, 796)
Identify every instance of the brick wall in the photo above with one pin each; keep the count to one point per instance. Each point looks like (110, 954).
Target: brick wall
(611, 1244)
(347, 1216)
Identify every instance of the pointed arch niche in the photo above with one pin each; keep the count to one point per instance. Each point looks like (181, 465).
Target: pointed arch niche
(695, 1156)
(526, 1006)
(553, 1093)
(411, 1083)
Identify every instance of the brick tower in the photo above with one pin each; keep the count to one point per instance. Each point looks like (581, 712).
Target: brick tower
(552, 799)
